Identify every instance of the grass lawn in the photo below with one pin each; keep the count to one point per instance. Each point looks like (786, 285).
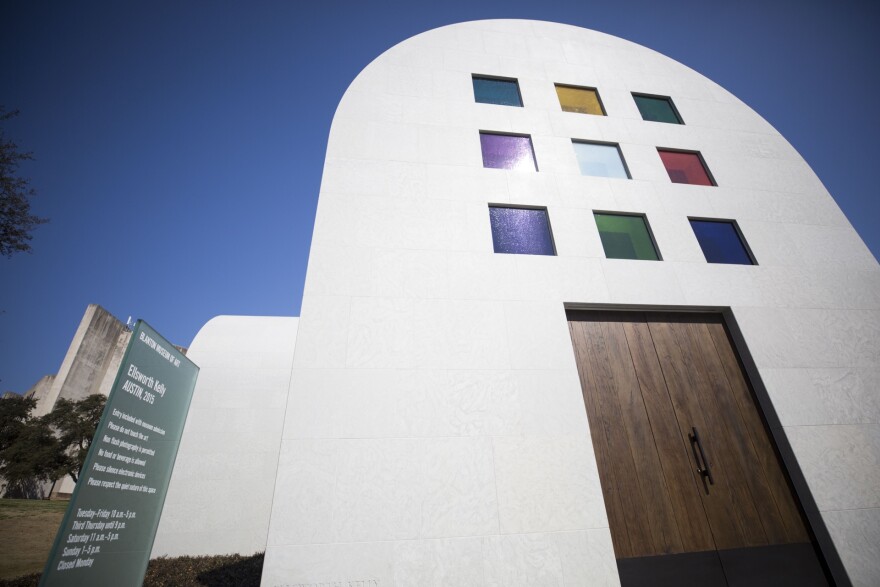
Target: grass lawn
(27, 529)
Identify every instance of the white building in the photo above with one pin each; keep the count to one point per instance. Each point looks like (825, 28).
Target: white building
(424, 422)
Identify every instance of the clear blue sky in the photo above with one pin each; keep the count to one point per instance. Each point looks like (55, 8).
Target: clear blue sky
(179, 145)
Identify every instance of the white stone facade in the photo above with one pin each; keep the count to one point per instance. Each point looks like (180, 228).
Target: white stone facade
(435, 432)
(220, 494)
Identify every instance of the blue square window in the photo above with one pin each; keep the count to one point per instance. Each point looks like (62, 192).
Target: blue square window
(524, 231)
(721, 242)
(493, 90)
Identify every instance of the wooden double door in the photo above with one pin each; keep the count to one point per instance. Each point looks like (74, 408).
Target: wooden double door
(694, 490)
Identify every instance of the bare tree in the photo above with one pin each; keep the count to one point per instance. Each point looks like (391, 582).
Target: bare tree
(16, 220)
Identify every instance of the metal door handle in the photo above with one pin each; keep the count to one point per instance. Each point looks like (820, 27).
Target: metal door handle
(702, 464)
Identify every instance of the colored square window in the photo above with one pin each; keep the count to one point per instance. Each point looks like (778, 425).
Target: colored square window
(625, 236)
(523, 231)
(508, 151)
(600, 159)
(490, 90)
(583, 100)
(721, 242)
(685, 167)
(657, 109)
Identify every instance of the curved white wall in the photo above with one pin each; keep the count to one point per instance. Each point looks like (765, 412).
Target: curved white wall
(435, 432)
(220, 494)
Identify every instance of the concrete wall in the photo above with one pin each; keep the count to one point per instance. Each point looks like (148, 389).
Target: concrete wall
(435, 432)
(40, 389)
(91, 361)
(220, 494)
(89, 367)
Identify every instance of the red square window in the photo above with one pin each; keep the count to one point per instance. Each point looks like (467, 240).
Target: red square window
(685, 167)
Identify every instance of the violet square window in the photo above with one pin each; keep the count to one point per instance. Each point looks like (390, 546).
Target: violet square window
(685, 167)
(524, 231)
(502, 151)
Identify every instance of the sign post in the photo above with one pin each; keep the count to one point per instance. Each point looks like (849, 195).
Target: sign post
(108, 531)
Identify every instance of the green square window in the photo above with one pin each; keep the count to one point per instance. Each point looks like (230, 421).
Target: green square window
(583, 100)
(657, 108)
(626, 236)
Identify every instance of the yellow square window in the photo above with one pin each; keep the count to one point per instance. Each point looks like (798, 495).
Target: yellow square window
(583, 100)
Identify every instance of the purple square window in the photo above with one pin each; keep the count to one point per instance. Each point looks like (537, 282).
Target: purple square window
(524, 231)
(507, 152)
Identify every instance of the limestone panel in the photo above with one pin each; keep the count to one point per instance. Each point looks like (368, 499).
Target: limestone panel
(856, 534)
(841, 464)
(547, 484)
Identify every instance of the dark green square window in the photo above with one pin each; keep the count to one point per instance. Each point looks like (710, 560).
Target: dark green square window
(626, 236)
(657, 109)
(492, 90)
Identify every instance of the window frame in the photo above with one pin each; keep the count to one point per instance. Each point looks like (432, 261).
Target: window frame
(699, 155)
(576, 87)
(644, 218)
(524, 207)
(515, 81)
(603, 144)
(742, 239)
(658, 97)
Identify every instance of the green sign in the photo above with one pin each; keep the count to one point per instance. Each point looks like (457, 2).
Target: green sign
(108, 530)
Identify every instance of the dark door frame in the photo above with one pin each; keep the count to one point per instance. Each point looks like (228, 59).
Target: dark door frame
(826, 551)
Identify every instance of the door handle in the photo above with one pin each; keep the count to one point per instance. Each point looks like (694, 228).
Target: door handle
(702, 464)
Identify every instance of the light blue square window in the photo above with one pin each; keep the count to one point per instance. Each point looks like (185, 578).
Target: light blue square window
(600, 159)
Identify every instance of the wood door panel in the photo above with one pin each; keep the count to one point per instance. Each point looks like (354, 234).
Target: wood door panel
(719, 442)
(624, 480)
(648, 379)
(719, 500)
(599, 432)
(665, 537)
(795, 530)
(673, 452)
(740, 444)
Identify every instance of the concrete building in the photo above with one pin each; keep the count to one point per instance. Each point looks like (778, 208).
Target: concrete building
(90, 364)
(40, 390)
(573, 314)
(89, 367)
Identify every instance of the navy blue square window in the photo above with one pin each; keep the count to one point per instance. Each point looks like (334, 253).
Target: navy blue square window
(722, 242)
(493, 90)
(524, 231)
